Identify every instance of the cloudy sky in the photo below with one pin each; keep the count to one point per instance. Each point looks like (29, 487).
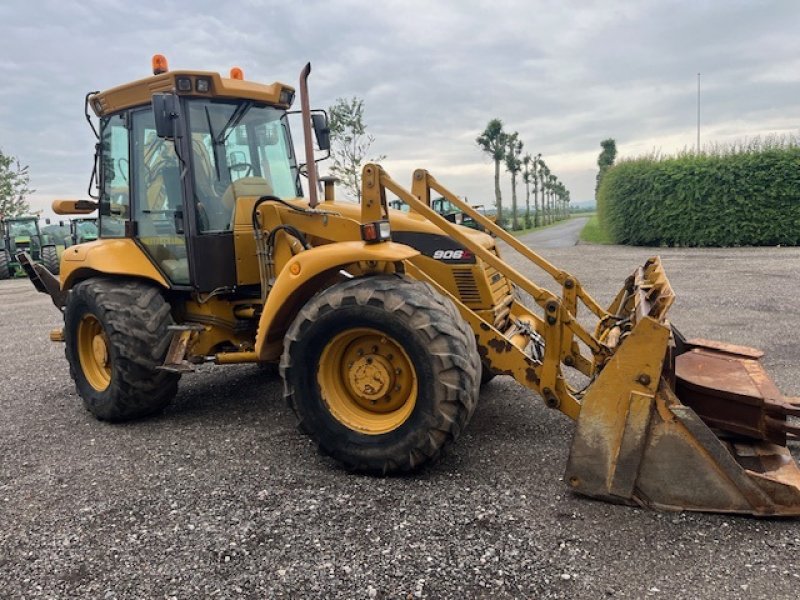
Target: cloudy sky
(563, 74)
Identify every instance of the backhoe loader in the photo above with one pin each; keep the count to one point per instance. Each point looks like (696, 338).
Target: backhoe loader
(383, 323)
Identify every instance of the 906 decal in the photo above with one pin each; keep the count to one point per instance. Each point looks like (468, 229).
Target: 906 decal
(452, 254)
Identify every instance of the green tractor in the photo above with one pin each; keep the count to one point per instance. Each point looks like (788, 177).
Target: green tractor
(447, 209)
(81, 231)
(22, 234)
(455, 215)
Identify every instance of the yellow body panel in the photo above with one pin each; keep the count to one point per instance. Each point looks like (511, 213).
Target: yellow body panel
(310, 271)
(108, 256)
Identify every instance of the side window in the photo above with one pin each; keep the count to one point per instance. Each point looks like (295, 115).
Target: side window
(273, 150)
(158, 198)
(115, 190)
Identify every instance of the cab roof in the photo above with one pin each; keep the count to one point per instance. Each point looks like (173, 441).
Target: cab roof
(138, 93)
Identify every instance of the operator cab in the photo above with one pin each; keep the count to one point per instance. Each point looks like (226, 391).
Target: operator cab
(171, 180)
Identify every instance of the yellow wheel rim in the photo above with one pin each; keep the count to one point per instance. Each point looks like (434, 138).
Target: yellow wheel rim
(367, 381)
(93, 353)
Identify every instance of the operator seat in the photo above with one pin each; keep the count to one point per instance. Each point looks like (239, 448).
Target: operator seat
(253, 187)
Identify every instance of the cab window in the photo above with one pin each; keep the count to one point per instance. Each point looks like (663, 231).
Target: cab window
(237, 149)
(114, 186)
(156, 174)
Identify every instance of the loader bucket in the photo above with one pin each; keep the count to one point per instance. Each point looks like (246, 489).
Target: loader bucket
(686, 425)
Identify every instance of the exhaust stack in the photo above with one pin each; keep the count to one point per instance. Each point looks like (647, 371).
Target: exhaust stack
(305, 109)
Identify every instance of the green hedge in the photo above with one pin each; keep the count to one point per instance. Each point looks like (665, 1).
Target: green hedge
(733, 198)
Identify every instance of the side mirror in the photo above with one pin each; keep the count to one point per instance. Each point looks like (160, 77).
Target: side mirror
(166, 110)
(74, 207)
(321, 130)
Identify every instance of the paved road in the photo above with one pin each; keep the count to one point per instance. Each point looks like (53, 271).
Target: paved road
(222, 497)
(562, 235)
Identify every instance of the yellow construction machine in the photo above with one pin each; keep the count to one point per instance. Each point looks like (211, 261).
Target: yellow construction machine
(383, 323)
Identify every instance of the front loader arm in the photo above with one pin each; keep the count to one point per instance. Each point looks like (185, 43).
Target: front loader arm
(558, 326)
(664, 422)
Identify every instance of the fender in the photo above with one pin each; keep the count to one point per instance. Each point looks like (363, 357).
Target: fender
(300, 279)
(107, 257)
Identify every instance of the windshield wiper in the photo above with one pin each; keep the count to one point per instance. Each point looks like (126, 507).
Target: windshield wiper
(213, 137)
(237, 116)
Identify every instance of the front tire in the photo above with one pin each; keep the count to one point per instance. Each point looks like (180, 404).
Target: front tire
(382, 373)
(5, 265)
(117, 334)
(50, 259)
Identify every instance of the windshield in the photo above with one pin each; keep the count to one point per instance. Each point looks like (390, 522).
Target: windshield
(22, 228)
(443, 206)
(87, 228)
(238, 149)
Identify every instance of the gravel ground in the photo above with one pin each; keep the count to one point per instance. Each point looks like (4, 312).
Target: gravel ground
(221, 497)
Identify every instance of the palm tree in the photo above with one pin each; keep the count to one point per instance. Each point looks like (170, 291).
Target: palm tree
(513, 166)
(537, 167)
(544, 178)
(493, 142)
(527, 177)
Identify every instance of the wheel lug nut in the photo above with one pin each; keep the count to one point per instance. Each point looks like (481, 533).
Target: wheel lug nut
(369, 361)
(389, 356)
(398, 371)
(374, 349)
(372, 401)
(397, 388)
(360, 352)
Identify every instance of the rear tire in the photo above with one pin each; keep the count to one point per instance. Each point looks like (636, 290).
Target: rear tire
(116, 335)
(5, 265)
(423, 398)
(50, 259)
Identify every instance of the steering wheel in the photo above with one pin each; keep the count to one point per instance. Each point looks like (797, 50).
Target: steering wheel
(242, 166)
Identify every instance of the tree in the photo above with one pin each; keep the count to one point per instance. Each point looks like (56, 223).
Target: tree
(536, 166)
(605, 160)
(350, 143)
(528, 166)
(513, 166)
(493, 142)
(14, 181)
(544, 175)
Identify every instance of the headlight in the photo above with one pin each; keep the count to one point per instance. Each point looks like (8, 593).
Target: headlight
(286, 97)
(202, 85)
(378, 231)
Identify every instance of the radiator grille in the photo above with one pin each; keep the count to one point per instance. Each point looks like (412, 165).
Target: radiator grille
(467, 286)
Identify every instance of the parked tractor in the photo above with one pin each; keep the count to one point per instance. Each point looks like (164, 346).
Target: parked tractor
(81, 230)
(22, 234)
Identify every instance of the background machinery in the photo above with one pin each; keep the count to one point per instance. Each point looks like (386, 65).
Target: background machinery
(383, 323)
(22, 234)
(81, 230)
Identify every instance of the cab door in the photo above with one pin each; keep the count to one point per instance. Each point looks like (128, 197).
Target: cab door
(159, 207)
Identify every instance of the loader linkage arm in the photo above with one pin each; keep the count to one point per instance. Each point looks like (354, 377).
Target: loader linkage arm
(647, 293)
(664, 422)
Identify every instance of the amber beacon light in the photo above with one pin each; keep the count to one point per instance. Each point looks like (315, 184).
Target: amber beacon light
(160, 64)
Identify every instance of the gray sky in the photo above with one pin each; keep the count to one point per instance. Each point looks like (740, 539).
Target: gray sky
(563, 74)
